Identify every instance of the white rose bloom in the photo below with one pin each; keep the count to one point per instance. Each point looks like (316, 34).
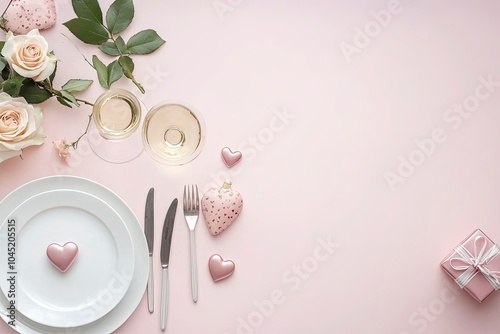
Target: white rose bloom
(20, 126)
(28, 55)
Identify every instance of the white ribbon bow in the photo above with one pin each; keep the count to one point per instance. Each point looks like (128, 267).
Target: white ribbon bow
(476, 263)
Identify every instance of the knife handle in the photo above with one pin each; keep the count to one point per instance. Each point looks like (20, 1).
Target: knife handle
(151, 287)
(164, 298)
(194, 269)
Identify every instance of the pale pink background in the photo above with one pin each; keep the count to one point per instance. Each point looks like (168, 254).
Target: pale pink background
(323, 173)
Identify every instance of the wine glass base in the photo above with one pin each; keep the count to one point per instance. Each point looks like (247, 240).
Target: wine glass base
(116, 151)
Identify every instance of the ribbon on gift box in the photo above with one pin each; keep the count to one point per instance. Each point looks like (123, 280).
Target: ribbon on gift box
(476, 263)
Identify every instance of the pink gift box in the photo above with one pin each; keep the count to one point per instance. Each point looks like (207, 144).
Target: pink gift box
(475, 265)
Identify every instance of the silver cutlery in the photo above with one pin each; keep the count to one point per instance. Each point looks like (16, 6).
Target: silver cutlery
(166, 241)
(149, 232)
(191, 204)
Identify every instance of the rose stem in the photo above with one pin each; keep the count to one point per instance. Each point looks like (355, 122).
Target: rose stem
(5, 11)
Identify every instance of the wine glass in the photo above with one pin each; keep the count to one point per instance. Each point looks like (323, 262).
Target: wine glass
(173, 133)
(117, 114)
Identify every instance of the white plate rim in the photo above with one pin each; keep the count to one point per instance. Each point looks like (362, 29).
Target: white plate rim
(125, 258)
(134, 295)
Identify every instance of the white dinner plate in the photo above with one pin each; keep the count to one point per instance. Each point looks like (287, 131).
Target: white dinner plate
(119, 314)
(101, 272)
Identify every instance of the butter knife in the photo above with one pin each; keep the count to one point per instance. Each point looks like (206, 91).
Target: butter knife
(149, 224)
(166, 241)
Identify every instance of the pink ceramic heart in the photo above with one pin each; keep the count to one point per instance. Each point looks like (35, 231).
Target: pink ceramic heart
(62, 257)
(229, 157)
(25, 15)
(221, 207)
(220, 269)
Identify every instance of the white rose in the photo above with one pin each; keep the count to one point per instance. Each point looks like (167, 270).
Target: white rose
(20, 126)
(28, 55)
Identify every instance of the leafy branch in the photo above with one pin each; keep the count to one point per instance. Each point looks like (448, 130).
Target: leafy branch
(90, 28)
(37, 92)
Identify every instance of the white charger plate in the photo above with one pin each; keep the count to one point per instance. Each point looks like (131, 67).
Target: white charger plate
(99, 277)
(118, 315)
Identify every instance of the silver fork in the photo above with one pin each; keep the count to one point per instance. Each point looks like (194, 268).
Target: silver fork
(191, 204)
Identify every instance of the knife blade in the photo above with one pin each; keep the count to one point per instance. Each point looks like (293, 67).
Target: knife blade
(166, 242)
(149, 233)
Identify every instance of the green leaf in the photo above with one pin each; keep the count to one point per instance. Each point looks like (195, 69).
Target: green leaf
(102, 71)
(5, 72)
(120, 45)
(34, 95)
(107, 75)
(119, 15)
(13, 85)
(144, 42)
(63, 102)
(2, 43)
(2, 65)
(115, 72)
(87, 31)
(88, 9)
(110, 49)
(127, 65)
(76, 85)
(53, 75)
(116, 48)
(68, 96)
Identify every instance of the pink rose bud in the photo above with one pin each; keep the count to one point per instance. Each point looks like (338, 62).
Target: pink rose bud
(62, 148)
(25, 15)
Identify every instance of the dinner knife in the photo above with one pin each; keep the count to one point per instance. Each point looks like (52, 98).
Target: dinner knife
(149, 224)
(166, 241)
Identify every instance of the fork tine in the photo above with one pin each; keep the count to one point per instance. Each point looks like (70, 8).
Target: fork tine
(184, 201)
(197, 203)
(192, 199)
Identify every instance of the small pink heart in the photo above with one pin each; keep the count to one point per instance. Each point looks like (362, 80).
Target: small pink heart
(220, 269)
(229, 157)
(62, 257)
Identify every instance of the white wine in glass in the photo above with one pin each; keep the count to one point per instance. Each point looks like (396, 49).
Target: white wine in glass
(173, 134)
(117, 114)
